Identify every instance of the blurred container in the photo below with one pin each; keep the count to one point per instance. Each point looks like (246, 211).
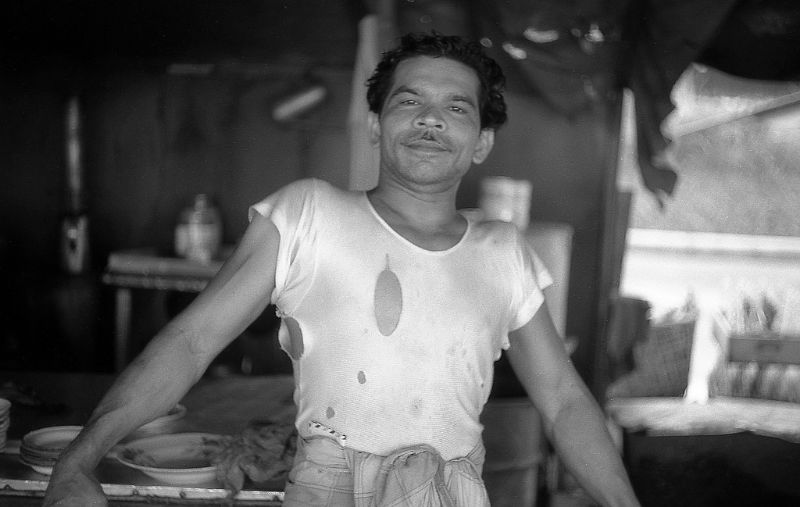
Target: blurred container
(506, 199)
(515, 451)
(198, 235)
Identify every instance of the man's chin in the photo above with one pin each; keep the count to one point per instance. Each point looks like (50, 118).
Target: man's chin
(433, 176)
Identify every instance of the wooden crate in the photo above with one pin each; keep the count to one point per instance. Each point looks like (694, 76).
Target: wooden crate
(764, 347)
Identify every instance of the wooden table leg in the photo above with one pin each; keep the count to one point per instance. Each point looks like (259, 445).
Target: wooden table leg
(122, 327)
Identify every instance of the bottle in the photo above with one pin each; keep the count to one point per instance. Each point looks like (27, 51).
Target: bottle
(198, 235)
(75, 222)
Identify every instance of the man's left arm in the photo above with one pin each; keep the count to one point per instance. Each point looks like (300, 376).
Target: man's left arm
(572, 418)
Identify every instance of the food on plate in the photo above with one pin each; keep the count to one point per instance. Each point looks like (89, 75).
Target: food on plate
(174, 458)
(263, 452)
(139, 457)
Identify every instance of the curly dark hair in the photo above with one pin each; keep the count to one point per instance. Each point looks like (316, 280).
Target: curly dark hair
(492, 81)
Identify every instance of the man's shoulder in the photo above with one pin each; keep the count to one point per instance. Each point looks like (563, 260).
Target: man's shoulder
(318, 186)
(498, 230)
(313, 190)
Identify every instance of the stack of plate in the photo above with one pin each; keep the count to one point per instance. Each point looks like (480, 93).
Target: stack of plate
(41, 448)
(5, 420)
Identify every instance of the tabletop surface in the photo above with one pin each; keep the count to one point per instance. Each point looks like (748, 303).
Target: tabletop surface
(719, 416)
(220, 405)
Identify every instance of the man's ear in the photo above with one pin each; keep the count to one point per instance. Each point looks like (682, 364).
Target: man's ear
(484, 146)
(374, 124)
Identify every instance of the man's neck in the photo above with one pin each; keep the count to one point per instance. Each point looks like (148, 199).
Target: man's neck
(428, 219)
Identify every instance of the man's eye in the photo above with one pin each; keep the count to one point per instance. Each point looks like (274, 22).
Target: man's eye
(457, 109)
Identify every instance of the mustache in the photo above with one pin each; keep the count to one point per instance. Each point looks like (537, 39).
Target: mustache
(427, 136)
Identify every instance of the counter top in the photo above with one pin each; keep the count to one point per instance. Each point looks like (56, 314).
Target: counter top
(719, 416)
(223, 406)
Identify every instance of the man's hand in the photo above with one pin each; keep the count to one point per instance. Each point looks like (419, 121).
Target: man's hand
(73, 487)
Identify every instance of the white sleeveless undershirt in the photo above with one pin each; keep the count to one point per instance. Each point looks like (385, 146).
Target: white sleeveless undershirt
(396, 343)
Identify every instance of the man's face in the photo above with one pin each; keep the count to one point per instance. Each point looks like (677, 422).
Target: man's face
(429, 129)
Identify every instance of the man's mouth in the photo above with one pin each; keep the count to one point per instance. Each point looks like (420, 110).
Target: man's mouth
(427, 142)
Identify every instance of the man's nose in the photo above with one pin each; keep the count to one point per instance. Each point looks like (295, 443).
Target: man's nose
(430, 119)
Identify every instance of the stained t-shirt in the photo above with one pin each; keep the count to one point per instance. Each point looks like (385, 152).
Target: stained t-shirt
(393, 345)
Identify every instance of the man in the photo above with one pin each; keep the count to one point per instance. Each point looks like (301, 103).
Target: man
(394, 305)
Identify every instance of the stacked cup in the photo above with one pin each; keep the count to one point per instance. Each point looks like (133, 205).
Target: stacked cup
(5, 420)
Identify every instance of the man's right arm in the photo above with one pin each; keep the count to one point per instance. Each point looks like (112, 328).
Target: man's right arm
(172, 362)
(573, 420)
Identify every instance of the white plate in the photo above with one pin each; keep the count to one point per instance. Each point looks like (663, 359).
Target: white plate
(50, 440)
(180, 458)
(42, 469)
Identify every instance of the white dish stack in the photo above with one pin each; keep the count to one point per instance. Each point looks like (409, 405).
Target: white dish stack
(41, 448)
(5, 420)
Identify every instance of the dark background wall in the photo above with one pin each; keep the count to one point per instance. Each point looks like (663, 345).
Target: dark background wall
(153, 138)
